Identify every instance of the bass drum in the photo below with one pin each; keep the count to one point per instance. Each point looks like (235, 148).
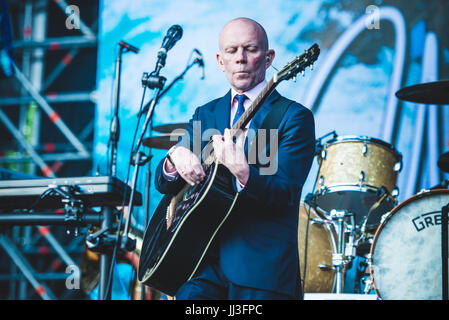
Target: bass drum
(405, 256)
(316, 243)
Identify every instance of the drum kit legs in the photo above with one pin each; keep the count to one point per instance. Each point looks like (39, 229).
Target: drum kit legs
(341, 224)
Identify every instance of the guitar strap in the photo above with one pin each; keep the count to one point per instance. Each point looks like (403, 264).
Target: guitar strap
(272, 121)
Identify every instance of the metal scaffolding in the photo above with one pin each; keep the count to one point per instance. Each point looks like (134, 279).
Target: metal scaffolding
(34, 267)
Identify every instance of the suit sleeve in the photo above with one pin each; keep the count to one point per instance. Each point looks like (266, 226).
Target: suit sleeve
(295, 154)
(164, 185)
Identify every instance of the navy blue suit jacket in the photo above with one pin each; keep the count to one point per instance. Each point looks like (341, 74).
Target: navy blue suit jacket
(258, 244)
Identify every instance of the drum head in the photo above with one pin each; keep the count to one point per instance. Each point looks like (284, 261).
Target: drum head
(406, 251)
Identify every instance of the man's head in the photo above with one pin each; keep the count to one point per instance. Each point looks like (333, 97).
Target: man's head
(244, 55)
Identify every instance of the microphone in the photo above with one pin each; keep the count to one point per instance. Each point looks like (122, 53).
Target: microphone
(125, 45)
(200, 61)
(172, 36)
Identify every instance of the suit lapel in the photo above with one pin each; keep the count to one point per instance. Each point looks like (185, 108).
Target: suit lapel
(222, 112)
(259, 118)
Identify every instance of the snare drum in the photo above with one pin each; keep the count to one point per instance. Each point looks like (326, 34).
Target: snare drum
(321, 243)
(352, 172)
(405, 256)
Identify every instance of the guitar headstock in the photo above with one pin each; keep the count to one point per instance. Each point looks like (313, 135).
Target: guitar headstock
(299, 64)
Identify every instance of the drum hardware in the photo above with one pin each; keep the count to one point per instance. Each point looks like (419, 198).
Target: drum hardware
(364, 149)
(385, 217)
(350, 249)
(422, 192)
(383, 195)
(345, 251)
(321, 181)
(361, 178)
(398, 166)
(318, 221)
(323, 154)
(319, 146)
(395, 193)
(326, 267)
(369, 284)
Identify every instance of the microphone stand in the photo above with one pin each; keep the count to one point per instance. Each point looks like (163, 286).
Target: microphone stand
(102, 240)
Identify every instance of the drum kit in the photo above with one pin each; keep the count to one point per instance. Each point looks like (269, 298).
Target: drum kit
(353, 213)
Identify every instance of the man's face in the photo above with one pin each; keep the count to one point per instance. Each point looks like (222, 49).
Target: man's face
(243, 54)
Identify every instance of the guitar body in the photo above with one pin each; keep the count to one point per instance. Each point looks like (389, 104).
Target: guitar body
(182, 228)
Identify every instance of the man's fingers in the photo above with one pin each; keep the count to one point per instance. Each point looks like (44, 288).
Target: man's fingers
(191, 171)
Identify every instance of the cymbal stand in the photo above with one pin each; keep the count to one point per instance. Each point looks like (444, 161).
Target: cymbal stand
(344, 251)
(444, 250)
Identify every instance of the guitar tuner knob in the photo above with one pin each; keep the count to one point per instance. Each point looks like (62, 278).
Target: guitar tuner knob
(311, 66)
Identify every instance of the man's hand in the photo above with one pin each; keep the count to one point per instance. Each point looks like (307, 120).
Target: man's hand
(232, 155)
(187, 165)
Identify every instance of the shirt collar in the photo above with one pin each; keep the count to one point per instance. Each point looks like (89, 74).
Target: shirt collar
(252, 93)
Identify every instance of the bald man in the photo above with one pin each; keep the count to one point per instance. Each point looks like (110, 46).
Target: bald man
(255, 254)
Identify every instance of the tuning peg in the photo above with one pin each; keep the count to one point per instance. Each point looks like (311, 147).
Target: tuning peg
(303, 73)
(311, 66)
(294, 78)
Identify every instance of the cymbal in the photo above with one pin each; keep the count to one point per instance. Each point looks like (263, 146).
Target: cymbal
(436, 92)
(168, 128)
(443, 162)
(165, 141)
